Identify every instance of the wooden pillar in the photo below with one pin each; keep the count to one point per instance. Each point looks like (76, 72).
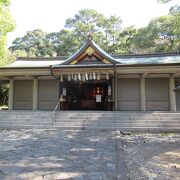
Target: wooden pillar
(11, 94)
(172, 95)
(35, 94)
(142, 93)
(115, 93)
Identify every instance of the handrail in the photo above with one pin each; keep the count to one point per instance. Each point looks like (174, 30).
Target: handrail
(54, 111)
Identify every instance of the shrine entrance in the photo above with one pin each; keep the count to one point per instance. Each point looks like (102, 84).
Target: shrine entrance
(87, 96)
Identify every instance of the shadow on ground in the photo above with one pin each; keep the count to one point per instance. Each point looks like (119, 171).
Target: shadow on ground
(86, 155)
(55, 154)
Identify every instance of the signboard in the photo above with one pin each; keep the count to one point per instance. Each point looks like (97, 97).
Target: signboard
(109, 90)
(64, 91)
(98, 98)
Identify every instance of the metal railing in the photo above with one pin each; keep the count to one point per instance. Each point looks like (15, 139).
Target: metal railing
(55, 110)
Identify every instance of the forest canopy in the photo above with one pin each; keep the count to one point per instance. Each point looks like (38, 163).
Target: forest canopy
(7, 25)
(161, 35)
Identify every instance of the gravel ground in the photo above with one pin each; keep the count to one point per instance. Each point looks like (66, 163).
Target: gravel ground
(152, 156)
(86, 155)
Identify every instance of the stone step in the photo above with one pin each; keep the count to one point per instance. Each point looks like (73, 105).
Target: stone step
(91, 120)
(25, 117)
(91, 112)
(101, 128)
(117, 115)
(92, 115)
(115, 119)
(92, 127)
(89, 117)
(91, 124)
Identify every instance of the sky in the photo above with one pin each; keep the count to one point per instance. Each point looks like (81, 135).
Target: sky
(50, 15)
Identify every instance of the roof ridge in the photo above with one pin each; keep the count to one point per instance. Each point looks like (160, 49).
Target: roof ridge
(160, 54)
(60, 58)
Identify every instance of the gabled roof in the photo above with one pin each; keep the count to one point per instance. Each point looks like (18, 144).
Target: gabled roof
(33, 62)
(91, 55)
(155, 58)
(90, 49)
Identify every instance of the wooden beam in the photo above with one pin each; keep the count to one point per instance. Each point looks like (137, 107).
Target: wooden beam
(144, 75)
(176, 74)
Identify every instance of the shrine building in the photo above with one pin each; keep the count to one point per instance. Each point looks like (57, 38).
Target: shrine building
(93, 80)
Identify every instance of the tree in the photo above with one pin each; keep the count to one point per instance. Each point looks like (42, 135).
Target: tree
(161, 35)
(105, 32)
(39, 43)
(175, 10)
(163, 1)
(125, 41)
(111, 30)
(62, 43)
(84, 22)
(6, 25)
(165, 33)
(3, 93)
(34, 43)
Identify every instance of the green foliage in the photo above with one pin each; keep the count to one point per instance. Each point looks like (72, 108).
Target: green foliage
(62, 43)
(125, 44)
(39, 43)
(163, 1)
(6, 25)
(67, 41)
(175, 10)
(33, 43)
(105, 30)
(84, 22)
(3, 93)
(161, 35)
(4, 2)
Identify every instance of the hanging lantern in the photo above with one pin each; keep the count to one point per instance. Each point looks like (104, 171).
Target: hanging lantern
(90, 76)
(69, 77)
(94, 76)
(75, 77)
(98, 76)
(72, 77)
(79, 76)
(107, 76)
(86, 76)
(61, 78)
(83, 77)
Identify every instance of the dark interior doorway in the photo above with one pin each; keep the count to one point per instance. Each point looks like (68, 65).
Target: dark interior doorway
(87, 96)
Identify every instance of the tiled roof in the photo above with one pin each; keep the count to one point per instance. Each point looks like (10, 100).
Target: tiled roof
(150, 59)
(36, 62)
(137, 59)
(100, 51)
